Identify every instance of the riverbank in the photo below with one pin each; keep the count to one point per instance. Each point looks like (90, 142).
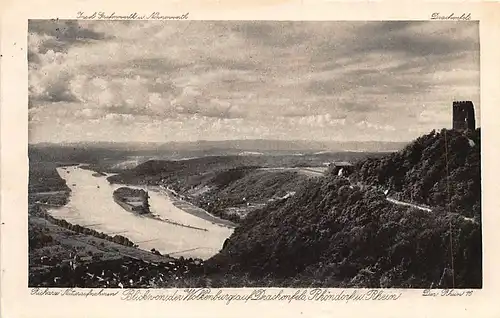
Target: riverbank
(171, 230)
(192, 209)
(68, 255)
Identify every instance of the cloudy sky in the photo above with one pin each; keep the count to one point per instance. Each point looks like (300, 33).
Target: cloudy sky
(190, 80)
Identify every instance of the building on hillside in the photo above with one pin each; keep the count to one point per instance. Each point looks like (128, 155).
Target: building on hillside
(463, 115)
(341, 168)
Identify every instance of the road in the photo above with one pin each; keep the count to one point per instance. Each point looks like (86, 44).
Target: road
(309, 171)
(320, 172)
(398, 202)
(427, 209)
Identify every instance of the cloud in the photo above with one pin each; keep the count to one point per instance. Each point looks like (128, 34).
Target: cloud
(365, 124)
(354, 80)
(48, 43)
(420, 38)
(61, 34)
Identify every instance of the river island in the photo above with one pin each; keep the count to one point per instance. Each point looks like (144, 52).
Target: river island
(132, 200)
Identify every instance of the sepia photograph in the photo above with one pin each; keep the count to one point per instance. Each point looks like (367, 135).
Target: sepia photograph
(229, 154)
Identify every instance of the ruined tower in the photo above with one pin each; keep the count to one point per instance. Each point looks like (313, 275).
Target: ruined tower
(463, 115)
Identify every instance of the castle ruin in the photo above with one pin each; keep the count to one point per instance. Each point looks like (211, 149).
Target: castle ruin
(463, 115)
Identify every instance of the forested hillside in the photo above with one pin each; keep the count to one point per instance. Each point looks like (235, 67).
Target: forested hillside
(436, 169)
(232, 194)
(343, 235)
(176, 171)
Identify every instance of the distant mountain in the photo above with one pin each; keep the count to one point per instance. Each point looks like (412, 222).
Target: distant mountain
(108, 145)
(259, 145)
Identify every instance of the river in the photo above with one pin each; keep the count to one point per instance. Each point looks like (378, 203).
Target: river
(91, 205)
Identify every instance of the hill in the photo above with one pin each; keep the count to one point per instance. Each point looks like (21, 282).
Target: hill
(439, 169)
(285, 146)
(336, 233)
(232, 186)
(233, 193)
(176, 171)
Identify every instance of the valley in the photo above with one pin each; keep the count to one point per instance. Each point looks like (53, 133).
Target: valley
(257, 220)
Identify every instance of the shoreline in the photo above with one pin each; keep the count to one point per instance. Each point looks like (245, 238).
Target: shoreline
(175, 220)
(193, 209)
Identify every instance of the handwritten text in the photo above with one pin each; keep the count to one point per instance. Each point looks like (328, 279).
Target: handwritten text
(452, 16)
(219, 295)
(131, 16)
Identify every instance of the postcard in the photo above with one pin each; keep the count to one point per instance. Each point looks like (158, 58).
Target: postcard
(213, 159)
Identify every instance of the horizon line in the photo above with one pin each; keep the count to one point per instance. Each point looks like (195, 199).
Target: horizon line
(216, 140)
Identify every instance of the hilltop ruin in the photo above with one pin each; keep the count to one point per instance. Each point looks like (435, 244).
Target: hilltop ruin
(463, 115)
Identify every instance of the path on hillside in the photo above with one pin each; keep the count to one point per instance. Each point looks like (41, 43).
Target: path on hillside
(309, 171)
(427, 209)
(317, 172)
(398, 202)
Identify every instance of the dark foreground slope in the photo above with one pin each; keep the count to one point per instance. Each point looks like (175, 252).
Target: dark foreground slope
(338, 235)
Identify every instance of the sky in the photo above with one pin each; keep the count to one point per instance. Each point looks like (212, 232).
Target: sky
(161, 81)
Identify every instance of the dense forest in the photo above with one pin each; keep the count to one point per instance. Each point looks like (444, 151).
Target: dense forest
(438, 169)
(124, 193)
(43, 176)
(350, 236)
(45, 185)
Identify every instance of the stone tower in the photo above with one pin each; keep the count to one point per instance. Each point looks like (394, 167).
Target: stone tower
(463, 115)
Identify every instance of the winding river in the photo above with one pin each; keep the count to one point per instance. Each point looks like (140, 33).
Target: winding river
(180, 233)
